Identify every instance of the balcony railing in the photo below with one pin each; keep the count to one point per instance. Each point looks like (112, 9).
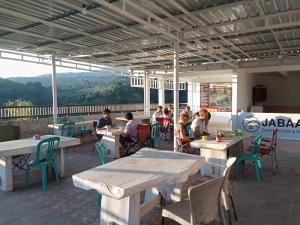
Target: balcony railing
(66, 110)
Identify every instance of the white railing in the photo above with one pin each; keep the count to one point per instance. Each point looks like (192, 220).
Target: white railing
(68, 110)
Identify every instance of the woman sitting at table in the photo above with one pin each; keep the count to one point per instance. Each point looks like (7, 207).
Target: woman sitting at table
(199, 123)
(182, 128)
(166, 113)
(105, 120)
(157, 114)
(130, 132)
(171, 112)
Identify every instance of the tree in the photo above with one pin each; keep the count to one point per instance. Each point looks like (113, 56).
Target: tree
(18, 102)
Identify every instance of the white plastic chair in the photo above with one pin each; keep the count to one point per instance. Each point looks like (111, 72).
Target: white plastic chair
(202, 206)
(226, 190)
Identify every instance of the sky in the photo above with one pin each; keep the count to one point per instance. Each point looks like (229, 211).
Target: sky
(12, 68)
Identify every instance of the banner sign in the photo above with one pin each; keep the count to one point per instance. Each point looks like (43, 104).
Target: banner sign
(288, 125)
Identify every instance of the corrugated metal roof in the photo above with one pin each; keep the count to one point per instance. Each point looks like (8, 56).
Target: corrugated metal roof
(140, 33)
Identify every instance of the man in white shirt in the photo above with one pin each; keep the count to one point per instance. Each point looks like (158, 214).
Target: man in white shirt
(198, 125)
(130, 132)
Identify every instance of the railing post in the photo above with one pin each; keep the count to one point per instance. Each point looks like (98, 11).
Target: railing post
(68, 110)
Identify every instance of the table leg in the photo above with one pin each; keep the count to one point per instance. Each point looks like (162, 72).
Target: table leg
(215, 162)
(6, 175)
(62, 162)
(112, 144)
(125, 211)
(117, 146)
(171, 193)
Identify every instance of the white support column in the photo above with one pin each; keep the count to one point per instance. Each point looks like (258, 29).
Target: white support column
(161, 92)
(194, 96)
(176, 86)
(234, 114)
(54, 93)
(146, 95)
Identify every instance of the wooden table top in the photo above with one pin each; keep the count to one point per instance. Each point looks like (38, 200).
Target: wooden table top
(133, 174)
(140, 117)
(23, 146)
(59, 125)
(223, 145)
(111, 132)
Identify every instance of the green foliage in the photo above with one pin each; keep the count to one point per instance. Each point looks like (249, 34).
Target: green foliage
(77, 88)
(18, 102)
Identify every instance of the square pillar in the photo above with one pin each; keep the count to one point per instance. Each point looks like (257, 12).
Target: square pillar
(146, 95)
(234, 109)
(176, 86)
(161, 92)
(54, 94)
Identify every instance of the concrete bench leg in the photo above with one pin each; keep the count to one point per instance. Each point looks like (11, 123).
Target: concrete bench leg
(125, 211)
(6, 176)
(61, 162)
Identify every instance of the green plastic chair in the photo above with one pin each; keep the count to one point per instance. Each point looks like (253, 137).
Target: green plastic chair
(252, 156)
(62, 120)
(103, 159)
(155, 135)
(83, 130)
(67, 130)
(45, 156)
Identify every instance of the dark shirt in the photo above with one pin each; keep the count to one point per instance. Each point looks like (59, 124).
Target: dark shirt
(104, 122)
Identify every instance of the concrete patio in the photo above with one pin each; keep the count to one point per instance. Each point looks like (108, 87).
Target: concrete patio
(275, 201)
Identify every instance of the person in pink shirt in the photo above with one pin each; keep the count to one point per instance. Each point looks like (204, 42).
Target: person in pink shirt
(130, 132)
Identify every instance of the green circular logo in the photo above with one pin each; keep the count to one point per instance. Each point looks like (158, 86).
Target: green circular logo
(251, 124)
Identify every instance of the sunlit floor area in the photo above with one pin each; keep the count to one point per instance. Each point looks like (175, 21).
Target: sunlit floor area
(274, 201)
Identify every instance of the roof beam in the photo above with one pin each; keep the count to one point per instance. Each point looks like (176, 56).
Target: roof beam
(51, 24)
(262, 13)
(198, 22)
(149, 24)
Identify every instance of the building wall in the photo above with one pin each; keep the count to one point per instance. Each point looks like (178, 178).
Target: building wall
(194, 96)
(281, 90)
(245, 83)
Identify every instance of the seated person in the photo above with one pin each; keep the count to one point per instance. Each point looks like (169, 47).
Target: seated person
(171, 111)
(105, 120)
(130, 132)
(157, 114)
(182, 128)
(198, 124)
(207, 119)
(187, 110)
(166, 113)
(166, 122)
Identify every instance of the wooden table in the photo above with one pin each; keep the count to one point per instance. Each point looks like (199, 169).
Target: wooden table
(111, 141)
(139, 119)
(57, 127)
(8, 149)
(217, 153)
(121, 181)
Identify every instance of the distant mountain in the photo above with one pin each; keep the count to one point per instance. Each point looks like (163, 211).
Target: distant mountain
(33, 91)
(77, 88)
(90, 79)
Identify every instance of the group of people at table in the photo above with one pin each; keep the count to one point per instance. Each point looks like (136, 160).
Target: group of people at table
(189, 126)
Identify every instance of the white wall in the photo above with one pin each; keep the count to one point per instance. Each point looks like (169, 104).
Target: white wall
(194, 96)
(281, 90)
(245, 83)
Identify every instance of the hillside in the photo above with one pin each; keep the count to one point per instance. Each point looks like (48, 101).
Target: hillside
(65, 79)
(77, 88)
